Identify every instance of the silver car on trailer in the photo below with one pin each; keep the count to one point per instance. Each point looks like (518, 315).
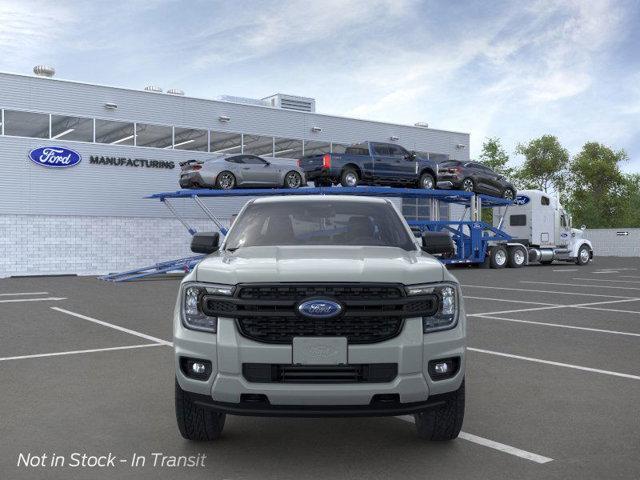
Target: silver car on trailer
(241, 170)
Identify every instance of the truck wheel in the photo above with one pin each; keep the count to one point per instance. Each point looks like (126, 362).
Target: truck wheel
(583, 255)
(196, 422)
(349, 178)
(517, 257)
(427, 181)
(498, 257)
(445, 422)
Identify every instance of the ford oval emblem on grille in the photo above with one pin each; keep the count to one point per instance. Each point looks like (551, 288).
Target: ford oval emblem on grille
(320, 308)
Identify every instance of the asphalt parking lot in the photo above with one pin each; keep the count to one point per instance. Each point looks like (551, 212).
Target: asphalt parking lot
(553, 386)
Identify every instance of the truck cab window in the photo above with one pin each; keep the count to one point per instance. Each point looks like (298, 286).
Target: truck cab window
(544, 200)
(381, 150)
(517, 220)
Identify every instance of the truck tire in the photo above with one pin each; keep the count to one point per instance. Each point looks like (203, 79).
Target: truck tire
(427, 182)
(498, 257)
(584, 255)
(445, 422)
(349, 177)
(196, 422)
(517, 257)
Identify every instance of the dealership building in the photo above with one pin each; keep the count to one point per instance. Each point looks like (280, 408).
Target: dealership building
(92, 217)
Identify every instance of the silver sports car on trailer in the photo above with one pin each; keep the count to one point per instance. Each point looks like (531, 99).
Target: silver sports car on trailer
(240, 170)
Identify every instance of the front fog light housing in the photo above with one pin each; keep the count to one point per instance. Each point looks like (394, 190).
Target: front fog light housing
(195, 368)
(446, 317)
(193, 317)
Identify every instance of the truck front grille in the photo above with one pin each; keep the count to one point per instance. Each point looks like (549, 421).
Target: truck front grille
(371, 312)
(356, 329)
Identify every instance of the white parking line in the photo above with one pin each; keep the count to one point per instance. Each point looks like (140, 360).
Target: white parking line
(508, 301)
(560, 325)
(604, 280)
(579, 285)
(485, 442)
(75, 352)
(23, 293)
(45, 299)
(552, 307)
(557, 364)
(115, 327)
(529, 290)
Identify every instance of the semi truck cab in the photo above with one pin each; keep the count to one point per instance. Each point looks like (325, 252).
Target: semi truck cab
(538, 221)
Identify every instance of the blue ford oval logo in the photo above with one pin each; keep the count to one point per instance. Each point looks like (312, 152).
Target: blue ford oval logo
(56, 157)
(521, 200)
(320, 308)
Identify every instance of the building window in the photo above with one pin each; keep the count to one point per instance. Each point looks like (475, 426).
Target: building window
(287, 148)
(157, 136)
(72, 128)
(316, 148)
(114, 133)
(190, 139)
(258, 145)
(420, 209)
(225, 142)
(26, 124)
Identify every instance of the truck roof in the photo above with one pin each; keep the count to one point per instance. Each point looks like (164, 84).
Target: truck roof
(322, 198)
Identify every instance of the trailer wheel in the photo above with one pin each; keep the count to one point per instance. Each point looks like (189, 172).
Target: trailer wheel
(517, 257)
(584, 255)
(498, 257)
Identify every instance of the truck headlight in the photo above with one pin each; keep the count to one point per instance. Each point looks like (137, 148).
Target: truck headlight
(192, 316)
(446, 317)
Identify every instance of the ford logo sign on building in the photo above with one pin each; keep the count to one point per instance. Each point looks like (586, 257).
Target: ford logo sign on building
(56, 157)
(320, 308)
(521, 200)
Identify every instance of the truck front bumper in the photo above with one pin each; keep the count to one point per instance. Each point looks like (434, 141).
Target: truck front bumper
(410, 391)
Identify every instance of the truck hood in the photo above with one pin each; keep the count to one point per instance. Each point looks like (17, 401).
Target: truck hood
(320, 264)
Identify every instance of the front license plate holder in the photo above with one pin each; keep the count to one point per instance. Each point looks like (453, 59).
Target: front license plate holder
(320, 350)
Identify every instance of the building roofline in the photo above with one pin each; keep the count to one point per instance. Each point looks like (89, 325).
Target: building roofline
(233, 103)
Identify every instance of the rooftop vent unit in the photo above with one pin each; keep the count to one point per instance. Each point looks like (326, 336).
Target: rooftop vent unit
(292, 102)
(153, 88)
(244, 100)
(175, 91)
(422, 124)
(44, 71)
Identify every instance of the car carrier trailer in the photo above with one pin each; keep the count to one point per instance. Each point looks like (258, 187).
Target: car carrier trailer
(476, 242)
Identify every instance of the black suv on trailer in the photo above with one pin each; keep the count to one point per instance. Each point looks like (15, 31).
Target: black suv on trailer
(474, 177)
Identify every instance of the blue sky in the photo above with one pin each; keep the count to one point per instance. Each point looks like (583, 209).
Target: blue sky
(515, 70)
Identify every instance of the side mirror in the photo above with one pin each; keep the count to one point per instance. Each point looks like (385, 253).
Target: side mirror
(583, 227)
(206, 242)
(438, 243)
(410, 156)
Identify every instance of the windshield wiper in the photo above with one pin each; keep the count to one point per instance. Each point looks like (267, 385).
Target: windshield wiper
(232, 249)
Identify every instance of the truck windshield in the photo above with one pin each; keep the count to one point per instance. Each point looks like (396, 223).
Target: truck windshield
(319, 223)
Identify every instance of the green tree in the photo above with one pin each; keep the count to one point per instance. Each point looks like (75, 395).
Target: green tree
(495, 157)
(599, 192)
(545, 165)
(631, 198)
